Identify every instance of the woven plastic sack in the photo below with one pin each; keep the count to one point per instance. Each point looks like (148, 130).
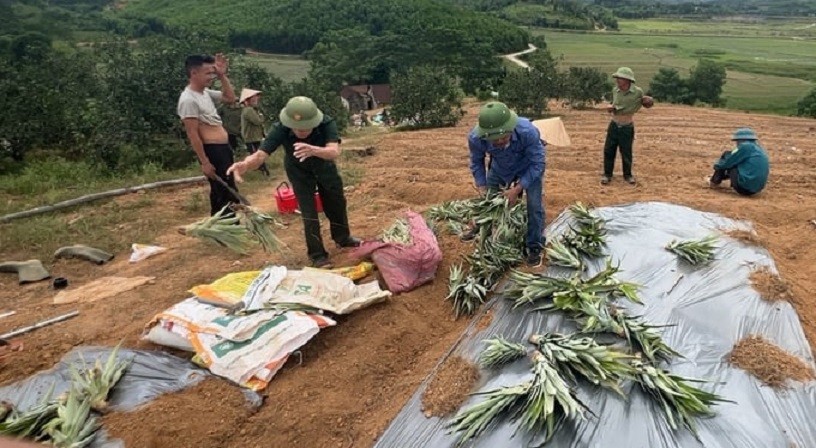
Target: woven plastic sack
(405, 267)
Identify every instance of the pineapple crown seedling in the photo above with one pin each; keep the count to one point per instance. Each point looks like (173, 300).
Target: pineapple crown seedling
(641, 336)
(73, 426)
(551, 401)
(95, 383)
(572, 293)
(466, 292)
(238, 232)
(473, 422)
(561, 254)
(457, 211)
(499, 351)
(587, 237)
(31, 422)
(222, 230)
(678, 400)
(260, 225)
(498, 247)
(398, 233)
(584, 357)
(542, 404)
(695, 252)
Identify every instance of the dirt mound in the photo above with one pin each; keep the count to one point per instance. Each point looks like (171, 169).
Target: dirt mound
(175, 419)
(770, 286)
(450, 387)
(772, 365)
(746, 237)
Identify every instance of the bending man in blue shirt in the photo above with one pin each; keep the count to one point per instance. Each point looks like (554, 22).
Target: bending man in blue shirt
(746, 166)
(517, 160)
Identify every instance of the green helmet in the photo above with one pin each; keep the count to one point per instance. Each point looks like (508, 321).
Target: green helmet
(624, 73)
(301, 113)
(495, 121)
(744, 134)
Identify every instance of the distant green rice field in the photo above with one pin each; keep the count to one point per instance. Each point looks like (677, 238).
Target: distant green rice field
(788, 27)
(285, 66)
(764, 74)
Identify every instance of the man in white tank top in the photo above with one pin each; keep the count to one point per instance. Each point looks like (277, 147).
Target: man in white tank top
(197, 110)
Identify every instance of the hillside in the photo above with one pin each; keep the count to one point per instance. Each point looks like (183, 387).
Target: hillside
(294, 26)
(66, 19)
(639, 9)
(560, 14)
(355, 377)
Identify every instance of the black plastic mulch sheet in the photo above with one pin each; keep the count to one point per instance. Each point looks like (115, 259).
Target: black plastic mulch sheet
(150, 374)
(711, 308)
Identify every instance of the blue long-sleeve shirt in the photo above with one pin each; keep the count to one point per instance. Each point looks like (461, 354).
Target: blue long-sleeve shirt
(751, 163)
(523, 159)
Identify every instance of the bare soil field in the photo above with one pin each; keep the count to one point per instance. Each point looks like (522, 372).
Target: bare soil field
(355, 377)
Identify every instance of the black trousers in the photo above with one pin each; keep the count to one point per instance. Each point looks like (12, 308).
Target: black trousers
(321, 176)
(220, 156)
(233, 141)
(252, 148)
(622, 137)
(731, 174)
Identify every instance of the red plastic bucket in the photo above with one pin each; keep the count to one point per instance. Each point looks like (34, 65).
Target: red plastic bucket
(285, 198)
(318, 202)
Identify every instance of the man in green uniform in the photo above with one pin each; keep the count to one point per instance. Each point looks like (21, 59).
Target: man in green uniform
(311, 143)
(627, 100)
(746, 166)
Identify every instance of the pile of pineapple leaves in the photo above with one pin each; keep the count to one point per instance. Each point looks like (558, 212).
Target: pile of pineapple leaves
(238, 228)
(67, 421)
(499, 245)
(546, 400)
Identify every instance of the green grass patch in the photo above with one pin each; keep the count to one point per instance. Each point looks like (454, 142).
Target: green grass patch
(287, 67)
(55, 179)
(735, 26)
(110, 224)
(707, 52)
(762, 72)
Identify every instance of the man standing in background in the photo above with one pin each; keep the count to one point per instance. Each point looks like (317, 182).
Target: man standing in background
(197, 110)
(627, 99)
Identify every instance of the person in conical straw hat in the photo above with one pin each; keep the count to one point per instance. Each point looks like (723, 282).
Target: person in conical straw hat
(253, 123)
(517, 160)
(627, 99)
(311, 143)
(746, 166)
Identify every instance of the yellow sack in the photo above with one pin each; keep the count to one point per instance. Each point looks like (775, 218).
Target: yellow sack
(355, 273)
(229, 289)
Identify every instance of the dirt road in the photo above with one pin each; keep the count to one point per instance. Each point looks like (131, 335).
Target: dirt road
(514, 57)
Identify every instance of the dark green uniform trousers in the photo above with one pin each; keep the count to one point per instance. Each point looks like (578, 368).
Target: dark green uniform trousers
(622, 137)
(321, 176)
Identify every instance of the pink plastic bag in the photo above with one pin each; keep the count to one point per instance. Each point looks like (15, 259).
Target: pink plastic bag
(405, 267)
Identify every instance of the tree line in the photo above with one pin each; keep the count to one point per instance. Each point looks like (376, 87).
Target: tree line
(114, 105)
(295, 26)
(563, 14)
(643, 9)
